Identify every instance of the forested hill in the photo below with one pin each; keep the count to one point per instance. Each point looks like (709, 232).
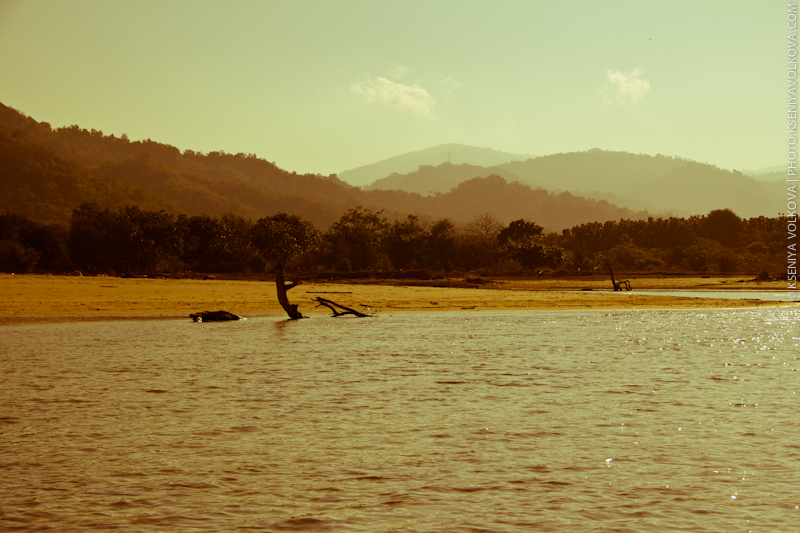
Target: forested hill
(458, 154)
(38, 184)
(45, 173)
(513, 200)
(92, 148)
(442, 178)
(659, 184)
(594, 169)
(44, 187)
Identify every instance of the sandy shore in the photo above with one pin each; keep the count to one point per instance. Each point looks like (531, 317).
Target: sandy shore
(31, 297)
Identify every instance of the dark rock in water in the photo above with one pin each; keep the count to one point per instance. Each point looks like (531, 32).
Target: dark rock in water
(214, 316)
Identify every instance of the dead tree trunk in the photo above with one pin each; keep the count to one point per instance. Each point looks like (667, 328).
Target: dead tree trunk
(283, 287)
(618, 286)
(613, 283)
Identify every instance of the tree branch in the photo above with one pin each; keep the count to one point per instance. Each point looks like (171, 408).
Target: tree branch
(333, 305)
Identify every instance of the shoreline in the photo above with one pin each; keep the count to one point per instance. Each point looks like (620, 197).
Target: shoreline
(36, 298)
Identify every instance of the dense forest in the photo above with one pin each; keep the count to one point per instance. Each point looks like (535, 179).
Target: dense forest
(132, 241)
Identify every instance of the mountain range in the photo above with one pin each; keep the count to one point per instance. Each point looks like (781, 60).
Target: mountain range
(659, 184)
(45, 173)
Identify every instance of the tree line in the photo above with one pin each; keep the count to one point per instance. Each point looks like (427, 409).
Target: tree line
(130, 240)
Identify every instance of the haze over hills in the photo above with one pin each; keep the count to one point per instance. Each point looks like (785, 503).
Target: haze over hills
(769, 175)
(660, 184)
(763, 173)
(638, 181)
(46, 173)
(456, 154)
(438, 179)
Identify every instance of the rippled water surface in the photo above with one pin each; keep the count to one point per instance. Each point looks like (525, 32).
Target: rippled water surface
(770, 296)
(464, 422)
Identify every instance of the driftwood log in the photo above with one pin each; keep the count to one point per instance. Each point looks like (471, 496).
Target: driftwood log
(338, 309)
(214, 316)
(282, 288)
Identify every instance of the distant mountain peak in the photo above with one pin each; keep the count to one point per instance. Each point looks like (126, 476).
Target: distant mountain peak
(409, 162)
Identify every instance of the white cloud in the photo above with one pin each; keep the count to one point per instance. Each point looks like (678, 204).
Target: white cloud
(398, 71)
(622, 88)
(451, 85)
(408, 98)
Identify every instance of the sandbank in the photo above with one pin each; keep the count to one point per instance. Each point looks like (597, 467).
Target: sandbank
(47, 297)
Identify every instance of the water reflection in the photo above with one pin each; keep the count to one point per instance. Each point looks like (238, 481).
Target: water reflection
(281, 326)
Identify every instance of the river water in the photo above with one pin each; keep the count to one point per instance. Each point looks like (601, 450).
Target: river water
(462, 422)
(769, 296)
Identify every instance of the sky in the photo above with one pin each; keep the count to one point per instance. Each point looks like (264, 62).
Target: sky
(325, 86)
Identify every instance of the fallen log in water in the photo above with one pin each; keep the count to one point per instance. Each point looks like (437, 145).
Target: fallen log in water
(336, 312)
(214, 316)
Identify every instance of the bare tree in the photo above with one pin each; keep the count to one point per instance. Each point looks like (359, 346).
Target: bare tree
(484, 227)
(480, 248)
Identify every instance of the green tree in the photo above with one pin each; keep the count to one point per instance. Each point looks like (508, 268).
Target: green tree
(202, 245)
(519, 233)
(239, 248)
(524, 242)
(404, 242)
(144, 241)
(281, 237)
(17, 258)
(441, 245)
(48, 240)
(90, 245)
(723, 226)
(357, 238)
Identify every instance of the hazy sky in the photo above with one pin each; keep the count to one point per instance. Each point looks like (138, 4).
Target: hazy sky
(331, 85)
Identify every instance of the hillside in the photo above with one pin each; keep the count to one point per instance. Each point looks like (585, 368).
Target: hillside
(189, 182)
(46, 173)
(457, 154)
(46, 188)
(658, 184)
(429, 180)
(92, 148)
(699, 188)
(777, 175)
(777, 172)
(512, 201)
